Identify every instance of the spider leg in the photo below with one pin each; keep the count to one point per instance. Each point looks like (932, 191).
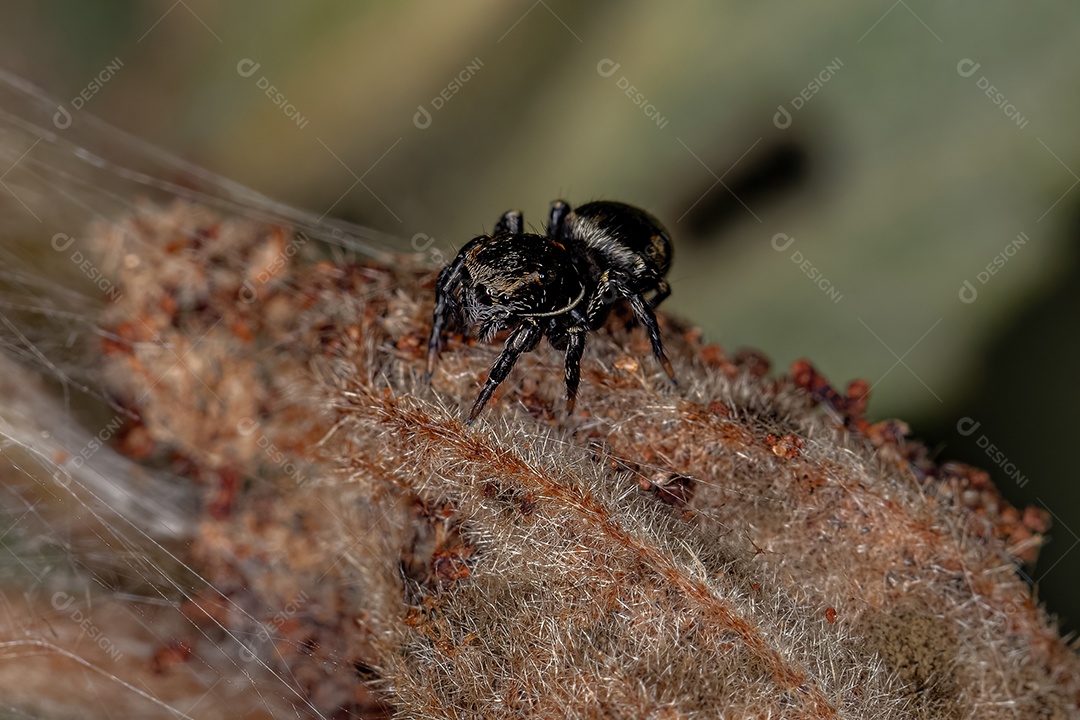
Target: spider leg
(557, 217)
(445, 305)
(523, 339)
(647, 318)
(607, 292)
(575, 346)
(511, 221)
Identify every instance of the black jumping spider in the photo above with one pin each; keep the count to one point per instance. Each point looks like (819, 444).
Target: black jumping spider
(562, 285)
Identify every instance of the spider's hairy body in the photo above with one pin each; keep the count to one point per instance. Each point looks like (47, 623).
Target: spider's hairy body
(560, 285)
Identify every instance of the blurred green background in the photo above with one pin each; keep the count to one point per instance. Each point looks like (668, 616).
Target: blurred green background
(885, 188)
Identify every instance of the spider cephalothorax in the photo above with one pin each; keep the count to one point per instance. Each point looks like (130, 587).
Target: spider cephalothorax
(561, 285)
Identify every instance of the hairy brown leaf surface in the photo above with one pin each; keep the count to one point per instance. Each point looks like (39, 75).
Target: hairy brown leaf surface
(746, 545)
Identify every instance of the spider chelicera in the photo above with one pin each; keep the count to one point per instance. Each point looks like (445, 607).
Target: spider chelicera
(562, 284)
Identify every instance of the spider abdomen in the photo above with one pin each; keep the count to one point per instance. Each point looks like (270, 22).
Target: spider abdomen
(620, 236)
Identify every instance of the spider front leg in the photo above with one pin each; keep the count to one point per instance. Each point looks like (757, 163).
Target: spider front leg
(557, 217)
(523, 339)
(575, 347)
(444, 305)
(512, 221)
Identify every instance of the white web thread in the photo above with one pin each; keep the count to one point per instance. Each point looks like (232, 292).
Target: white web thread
(50, 183)
(131, 550)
